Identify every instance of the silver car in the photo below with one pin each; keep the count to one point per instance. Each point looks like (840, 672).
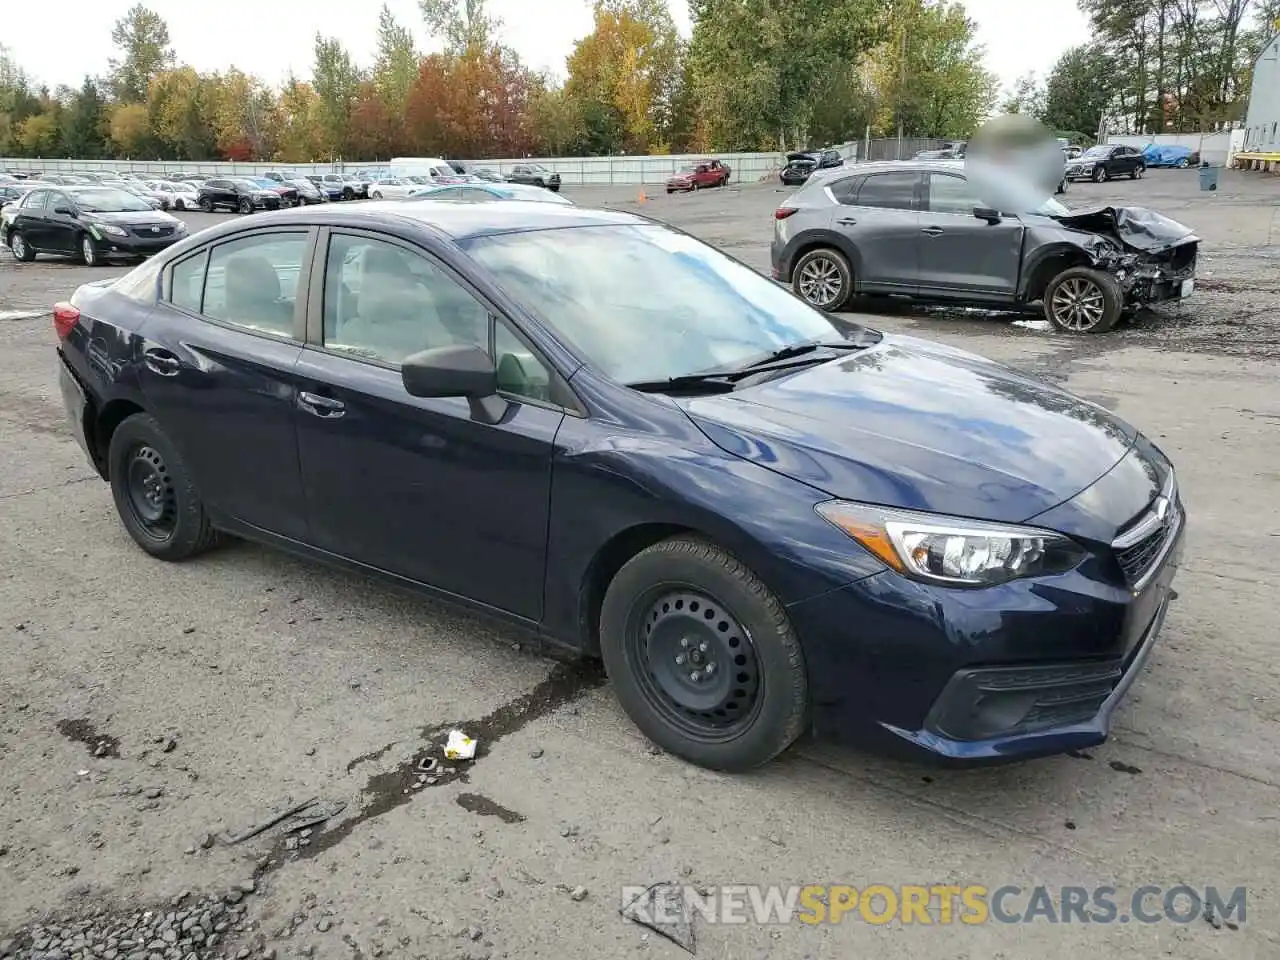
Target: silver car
(917, 228)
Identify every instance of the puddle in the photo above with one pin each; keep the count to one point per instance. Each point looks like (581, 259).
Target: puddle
(384, 792)
(478, 804)
(82, 731)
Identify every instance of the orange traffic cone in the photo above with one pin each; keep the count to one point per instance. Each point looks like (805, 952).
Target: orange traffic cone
(642, 198)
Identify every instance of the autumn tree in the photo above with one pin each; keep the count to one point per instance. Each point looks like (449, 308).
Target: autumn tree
(180, 105)
(299, 140)
(462, 24)
(374, 129)
(336, 81)
(142, 37)
(396, 66)
(130, 129)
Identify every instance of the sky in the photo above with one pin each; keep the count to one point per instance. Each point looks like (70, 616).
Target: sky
(273, 38)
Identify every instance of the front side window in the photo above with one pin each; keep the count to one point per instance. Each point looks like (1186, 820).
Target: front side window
(253, 282)
(645, 303)
(951, 194)
(384, 302)
(893, 191)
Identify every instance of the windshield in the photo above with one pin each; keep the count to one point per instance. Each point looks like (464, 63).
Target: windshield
(264, 182)
(1098, 151)
(106, 200)
(688, 168)
(645, 303)
(247, 184)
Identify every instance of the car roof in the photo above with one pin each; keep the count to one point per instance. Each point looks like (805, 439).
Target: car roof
(459, 221)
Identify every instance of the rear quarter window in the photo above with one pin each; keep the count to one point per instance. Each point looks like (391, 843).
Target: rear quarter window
(141, 283)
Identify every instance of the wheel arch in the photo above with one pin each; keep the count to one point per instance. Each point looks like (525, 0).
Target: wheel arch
(105, 422)
(823, 239)
(1047, 265)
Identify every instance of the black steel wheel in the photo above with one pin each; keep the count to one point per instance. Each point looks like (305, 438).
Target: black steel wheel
(154, 492)
(702, 655)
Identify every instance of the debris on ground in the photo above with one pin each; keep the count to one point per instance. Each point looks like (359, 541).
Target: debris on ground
(459, 746)
(662, 908)
(190, 929)
(313, 816)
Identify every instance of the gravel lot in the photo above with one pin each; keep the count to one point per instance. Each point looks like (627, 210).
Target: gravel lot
(147, 709)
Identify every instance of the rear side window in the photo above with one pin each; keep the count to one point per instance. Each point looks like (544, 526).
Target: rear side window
(894, 191)
(846, 190)
(253, 282)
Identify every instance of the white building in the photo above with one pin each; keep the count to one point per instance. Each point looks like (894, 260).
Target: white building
(1263, 119)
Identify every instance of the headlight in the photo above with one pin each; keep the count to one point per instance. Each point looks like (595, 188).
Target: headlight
(951, 550)
(179, 227)
(112, 230)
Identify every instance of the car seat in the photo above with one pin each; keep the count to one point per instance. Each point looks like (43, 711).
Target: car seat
(253, 295)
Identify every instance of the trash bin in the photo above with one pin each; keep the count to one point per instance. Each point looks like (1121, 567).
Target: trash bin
(1208, 177)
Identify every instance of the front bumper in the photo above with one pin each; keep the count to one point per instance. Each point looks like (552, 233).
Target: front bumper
(1026, 669)
(134, 246)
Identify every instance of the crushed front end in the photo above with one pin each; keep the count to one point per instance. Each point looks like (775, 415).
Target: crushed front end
(1152, 256)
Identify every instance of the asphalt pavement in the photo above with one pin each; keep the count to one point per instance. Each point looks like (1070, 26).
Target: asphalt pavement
(149, 712)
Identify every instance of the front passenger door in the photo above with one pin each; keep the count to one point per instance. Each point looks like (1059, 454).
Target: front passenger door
(415, 486)
(960, 254)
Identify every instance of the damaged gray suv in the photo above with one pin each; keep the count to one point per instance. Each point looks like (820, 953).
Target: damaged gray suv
(917, 229)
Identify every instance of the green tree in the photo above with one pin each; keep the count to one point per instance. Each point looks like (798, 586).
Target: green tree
(38, 135)
(1026, 97)
(84, 122)
(142, 37)
(180, 106)
(396, 66)
(462, 24)
(336, 81)
(1079, 88)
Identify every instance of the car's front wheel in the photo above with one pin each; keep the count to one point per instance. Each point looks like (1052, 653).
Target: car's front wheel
(246, 205)
(20, 248)
(1083, 300)
(702, 656)
(822, 278)
(1137, 173)
(89, 255)
(154, 493)
(348, 193)
(1100, 174)
(376, 195)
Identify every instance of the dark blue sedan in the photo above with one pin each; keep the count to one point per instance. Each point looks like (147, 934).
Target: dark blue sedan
(766, 520)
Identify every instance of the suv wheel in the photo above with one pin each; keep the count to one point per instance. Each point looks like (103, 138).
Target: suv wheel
(1083, 300)
(246, 205)
(1137, 173)
(822, 279)
(702, 656)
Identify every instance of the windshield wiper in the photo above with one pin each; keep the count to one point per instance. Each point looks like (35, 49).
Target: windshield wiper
(691, 383)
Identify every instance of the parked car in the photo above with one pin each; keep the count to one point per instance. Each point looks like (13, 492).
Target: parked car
(1169, 155)
(158, 200)
(308, 192)
(464, 169)
(9, 192)
(238, 194)
(95, 223)
(802, 164)
(1107, 161)
(535, 175)
(918, 228)
(487, 192)
(180, 195)
(697, 175)
(954, 150)
(331, 185)
(392, 188)
(766, 522)
(288, 193)
(63, 179)
(341, 187)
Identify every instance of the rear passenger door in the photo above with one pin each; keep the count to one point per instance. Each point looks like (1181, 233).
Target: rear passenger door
(218, 372)
(882, 220)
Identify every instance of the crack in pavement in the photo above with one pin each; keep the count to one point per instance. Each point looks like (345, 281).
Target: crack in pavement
(53, 486)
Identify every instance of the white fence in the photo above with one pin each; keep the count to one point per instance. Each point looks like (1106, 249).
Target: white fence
(1216, 149)
(572, 170)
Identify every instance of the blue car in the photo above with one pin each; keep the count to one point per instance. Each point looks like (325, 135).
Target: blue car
(764, 519)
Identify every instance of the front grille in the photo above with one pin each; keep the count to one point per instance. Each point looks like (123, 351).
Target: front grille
(1142, 545)
(151, 231)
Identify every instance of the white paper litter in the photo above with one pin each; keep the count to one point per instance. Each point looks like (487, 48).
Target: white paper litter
(459, 746)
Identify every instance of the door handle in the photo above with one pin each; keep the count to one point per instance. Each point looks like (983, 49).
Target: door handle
(161, 362)
(847, 221)
(321, 406)
(932, 231)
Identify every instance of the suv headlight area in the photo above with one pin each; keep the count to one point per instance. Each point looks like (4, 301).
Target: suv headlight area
(952, 551)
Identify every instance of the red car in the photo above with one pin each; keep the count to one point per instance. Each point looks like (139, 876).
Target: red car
(699, 175)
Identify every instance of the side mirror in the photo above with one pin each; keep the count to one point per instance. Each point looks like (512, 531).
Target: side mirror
(987, 213)
(458, 371)
(64, 210)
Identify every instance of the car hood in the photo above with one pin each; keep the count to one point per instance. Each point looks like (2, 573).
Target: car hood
(920, 426)
(132, 217)
(1135, 227)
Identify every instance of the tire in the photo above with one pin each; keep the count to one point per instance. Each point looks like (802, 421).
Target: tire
(670, 191)
(246, 205)
(348, 193)
(19, 247)
(89, 255)
(687, 591)
(1062, 187)
(154, 493)
(376, 195)
(824, 269)
(1135, 173)
(1083, 300)
(179, 204)
(1100, 174)
(554, 188)
(206, 205)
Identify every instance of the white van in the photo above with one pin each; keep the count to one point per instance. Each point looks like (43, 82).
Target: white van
(432, 167)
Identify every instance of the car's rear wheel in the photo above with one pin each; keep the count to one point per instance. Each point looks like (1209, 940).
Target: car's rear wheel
(206, 205)
(246, 205)
(89, 255)
(702, 656)
(822, 278)
(1083, 300)
(20, 248)
(154, 493)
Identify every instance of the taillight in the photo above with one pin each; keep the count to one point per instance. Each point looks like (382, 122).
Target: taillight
(783, 212)
(65, 318)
